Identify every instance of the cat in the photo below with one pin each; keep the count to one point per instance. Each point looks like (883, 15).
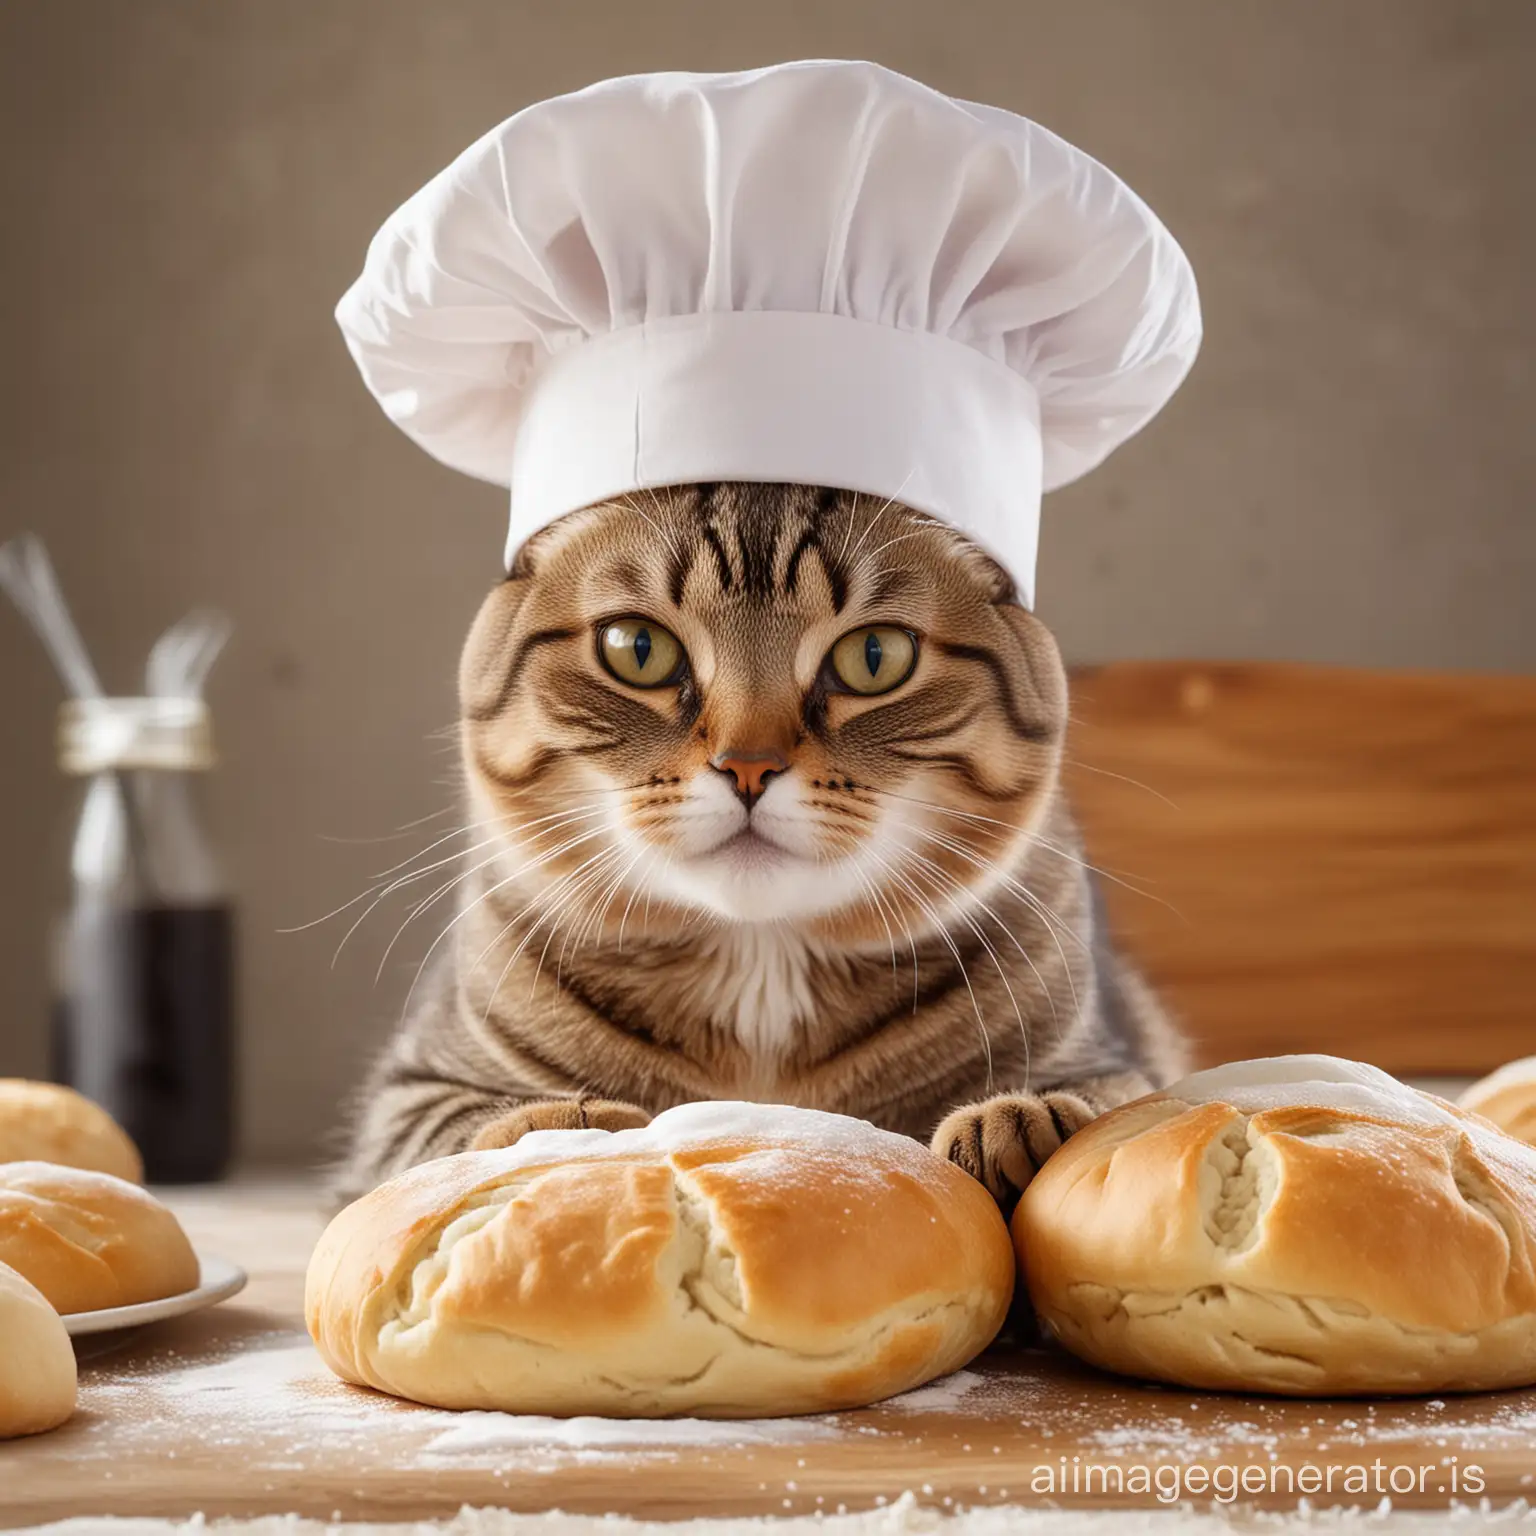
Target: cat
(763, 788)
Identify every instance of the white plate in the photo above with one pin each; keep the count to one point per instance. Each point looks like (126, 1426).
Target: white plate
(219, 1280)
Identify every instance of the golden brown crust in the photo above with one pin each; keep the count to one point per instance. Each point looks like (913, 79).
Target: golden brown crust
(1324, 1247)
(1507, 1098)
(87, 1240)
(37, 1362)
(48, 1123)
(686, 1267)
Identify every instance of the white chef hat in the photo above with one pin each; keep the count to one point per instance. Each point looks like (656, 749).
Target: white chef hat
(818, 272)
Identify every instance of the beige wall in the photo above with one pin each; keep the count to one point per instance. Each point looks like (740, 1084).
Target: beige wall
(188, 185)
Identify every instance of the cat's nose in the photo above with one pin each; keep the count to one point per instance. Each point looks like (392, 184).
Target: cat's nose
(751, 767)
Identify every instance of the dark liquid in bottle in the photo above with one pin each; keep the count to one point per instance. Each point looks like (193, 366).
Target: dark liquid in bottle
(146, 1030)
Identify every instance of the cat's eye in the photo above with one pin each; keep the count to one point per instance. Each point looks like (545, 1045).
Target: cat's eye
(874, 660)
(640, 653)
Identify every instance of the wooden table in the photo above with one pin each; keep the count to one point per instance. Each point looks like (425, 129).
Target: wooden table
(230, 1413)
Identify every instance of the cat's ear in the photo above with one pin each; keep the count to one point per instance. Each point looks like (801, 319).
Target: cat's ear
(483, 662)
(993, 580)
(538, 549)
(1041, 670)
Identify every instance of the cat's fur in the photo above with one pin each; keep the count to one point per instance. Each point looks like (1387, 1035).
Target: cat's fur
(917, 941)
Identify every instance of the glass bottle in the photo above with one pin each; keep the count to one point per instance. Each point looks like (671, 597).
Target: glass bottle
(143, 1017)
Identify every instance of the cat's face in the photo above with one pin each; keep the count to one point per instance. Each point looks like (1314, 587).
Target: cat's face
(761, 702)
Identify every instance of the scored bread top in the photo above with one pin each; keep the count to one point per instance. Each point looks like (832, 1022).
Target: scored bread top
(1306, 1177)
(797, 1230)
(88, 1240)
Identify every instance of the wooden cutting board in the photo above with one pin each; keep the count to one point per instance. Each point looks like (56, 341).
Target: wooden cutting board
(1319, 858)
(231, 1413)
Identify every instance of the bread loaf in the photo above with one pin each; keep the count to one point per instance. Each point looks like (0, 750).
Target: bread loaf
(1508, 1098)
(47, 1123)
(37, 1363)
(87, 1240)
(1297, 1225)
(728, 1259)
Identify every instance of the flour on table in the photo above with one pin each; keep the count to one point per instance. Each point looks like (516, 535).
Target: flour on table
(586, 1437)
(286, 1389)
(473, 1432)
(902, 1516)
(940, 1396)
(498, 1431)
(282, 1386)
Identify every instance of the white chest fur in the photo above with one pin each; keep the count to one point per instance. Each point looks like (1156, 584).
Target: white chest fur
(756, 983)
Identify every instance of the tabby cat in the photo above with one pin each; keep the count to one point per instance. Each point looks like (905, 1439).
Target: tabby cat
(763, 802)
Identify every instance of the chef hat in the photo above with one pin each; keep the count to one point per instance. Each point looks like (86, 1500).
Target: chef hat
(818, 272)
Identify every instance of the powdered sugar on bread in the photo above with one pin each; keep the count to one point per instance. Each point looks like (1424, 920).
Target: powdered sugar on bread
(1275, 1082)
(735, 1260)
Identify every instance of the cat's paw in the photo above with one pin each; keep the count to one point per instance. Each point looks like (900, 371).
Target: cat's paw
(1002, 1142)
(558, 1115)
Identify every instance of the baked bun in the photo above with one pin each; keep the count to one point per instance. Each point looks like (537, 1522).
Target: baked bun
(727, 1259)
(1298, 1225)
(37, 1362)
(87, 1240)
(46, 1123)
(1508, 1098)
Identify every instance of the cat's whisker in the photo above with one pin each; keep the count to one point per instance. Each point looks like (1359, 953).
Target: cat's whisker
(666, 864)
(389, 879)
(936, 873)
(939, 872)
(421, 906)
(546, 914)
(490, 891)
(1104, 874)
(666, 535)
(596, 922)
(599, 863)
(847, 555)
(901, 538)
(566, 819)
(591, 881)
(1033, 837)
(381, 893)
(589, 807)
(873, 896)
(853, 512)
(382, 884)
(384, 876)
(459, 880)
(869, 527)
(1108, 773)
(943, 932)
(634, 895)
(1017, 887)
(548, 893)
(598, 913)
(403, 830)
(1050, 919)
(911, 942)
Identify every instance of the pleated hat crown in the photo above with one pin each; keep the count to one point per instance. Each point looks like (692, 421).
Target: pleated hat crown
(819, 272)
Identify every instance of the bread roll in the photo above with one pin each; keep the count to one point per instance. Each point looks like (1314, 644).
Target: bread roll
(37, 1362)
(1299, 1225)
(728, 1259)
(87, 1240)
(45, 1123)
(1508, 1098)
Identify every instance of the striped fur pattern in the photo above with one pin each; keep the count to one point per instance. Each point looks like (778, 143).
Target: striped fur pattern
(898, 925)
